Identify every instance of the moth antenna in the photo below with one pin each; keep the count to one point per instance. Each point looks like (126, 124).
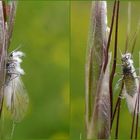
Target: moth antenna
(135, 37)
(17, 48)
(120, 51)
(128, 27)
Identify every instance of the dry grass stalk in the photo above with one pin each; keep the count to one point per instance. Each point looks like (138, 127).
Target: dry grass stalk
(97, 94)
(7, 18)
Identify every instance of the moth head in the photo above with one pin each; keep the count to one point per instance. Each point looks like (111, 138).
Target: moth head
(17, 54)
(126, 59)
(11, 55)
(7, 64)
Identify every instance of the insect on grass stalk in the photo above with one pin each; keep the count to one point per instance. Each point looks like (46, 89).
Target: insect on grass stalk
(12, 91)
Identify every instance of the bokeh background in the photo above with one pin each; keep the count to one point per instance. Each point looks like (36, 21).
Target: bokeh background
(52, 33)
(80, 20)
(42, 30)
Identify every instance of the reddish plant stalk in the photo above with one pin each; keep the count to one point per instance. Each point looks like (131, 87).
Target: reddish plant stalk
(114, 60)
(117, 123)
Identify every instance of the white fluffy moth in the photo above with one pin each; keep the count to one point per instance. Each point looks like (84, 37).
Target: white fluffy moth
(15, 95)
(130, 78)
(131, 81)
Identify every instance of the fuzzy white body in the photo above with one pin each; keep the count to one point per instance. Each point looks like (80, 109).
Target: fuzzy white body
(131, 82)
(15, 95)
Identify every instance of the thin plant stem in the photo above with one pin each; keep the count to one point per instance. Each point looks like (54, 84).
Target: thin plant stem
(137, 117)
(137, 121)
(2, 55)
(4, 11)
(13, 128)
(117, 103)
(117, 123)
(110, 33)
(114, 61)
(133, 121)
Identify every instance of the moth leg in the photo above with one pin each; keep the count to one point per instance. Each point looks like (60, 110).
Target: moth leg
(10, 78)
(122, 96)
(137, 77)
(135, 70)
(16, 75)
(118, 64)
(118, 74)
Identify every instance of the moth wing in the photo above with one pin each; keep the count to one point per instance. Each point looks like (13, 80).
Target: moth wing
(118, 84)
(124, 92)
(20, 100)
(17, 101)
(130, 100)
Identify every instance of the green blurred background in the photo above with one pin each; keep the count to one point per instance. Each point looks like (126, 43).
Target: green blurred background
(80, 19)
(42, 29)
(51, 35)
